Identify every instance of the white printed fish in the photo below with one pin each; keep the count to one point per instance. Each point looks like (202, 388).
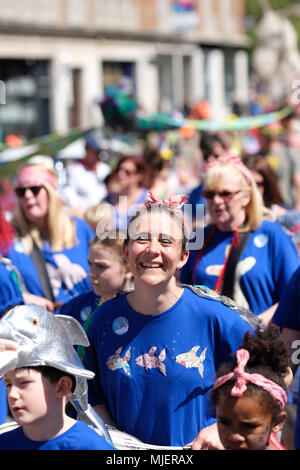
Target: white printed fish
(189, 359)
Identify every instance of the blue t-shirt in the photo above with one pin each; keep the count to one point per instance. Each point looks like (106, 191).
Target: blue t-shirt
(79, 437)
(155, 372)
(265, 267)
(10, 295)
(287, 315)
(81, 306)
(196, 198)
(70, 260)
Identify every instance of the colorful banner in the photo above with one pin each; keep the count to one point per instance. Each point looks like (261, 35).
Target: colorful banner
(51, 144)
(161, 121)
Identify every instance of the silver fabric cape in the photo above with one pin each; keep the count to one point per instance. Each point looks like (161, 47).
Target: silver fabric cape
(46, 339)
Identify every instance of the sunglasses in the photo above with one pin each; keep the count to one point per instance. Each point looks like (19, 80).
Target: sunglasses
(127, 172)
(20, 192)
(223, 194)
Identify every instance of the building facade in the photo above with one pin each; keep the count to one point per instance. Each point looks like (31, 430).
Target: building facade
(57, 57)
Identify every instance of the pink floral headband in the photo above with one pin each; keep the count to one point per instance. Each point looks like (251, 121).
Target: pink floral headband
(241, 378)
(36, 175)
(236, 162)
(175, 203)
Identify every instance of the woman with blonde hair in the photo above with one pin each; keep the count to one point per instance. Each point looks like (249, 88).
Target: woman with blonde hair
(244, 256)
(50, 248)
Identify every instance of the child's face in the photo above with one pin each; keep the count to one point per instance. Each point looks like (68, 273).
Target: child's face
(243, 423)
(107, 271)
(30, 396)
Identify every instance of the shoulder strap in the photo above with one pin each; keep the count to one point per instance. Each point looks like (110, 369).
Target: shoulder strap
(235, 254)
(249, 317)
(40, 265)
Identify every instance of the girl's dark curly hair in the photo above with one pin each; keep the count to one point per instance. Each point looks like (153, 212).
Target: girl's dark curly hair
(269, 357)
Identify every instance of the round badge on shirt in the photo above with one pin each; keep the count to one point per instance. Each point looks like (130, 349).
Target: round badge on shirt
(260, 240)
(120, 326)
(85, 313)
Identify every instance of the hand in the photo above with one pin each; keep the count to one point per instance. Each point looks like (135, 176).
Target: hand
(207, 439)
(70, 273)
(35, 299)
(8, 345)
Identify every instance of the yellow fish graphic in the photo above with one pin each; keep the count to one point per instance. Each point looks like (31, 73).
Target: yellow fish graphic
(189, 359)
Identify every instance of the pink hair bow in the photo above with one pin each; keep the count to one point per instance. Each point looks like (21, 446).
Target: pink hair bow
(241, 378)
(235, 161)
(174, 201)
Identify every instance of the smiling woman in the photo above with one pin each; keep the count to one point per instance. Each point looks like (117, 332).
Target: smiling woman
(244, 256)
(138, 339)
(50, 248)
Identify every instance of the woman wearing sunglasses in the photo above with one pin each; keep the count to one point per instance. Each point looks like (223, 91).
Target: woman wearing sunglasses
(50, 248)
(243, 256)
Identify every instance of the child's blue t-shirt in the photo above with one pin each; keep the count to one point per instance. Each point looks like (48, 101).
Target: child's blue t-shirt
(80, 307)
(155, 372)
(71, 260)
(287, 315)
(265, 267)
(79, 437)
(10, 295)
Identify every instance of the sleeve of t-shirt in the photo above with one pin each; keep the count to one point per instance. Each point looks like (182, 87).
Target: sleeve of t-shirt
(90, 361)
(10, 294)
(231, 329)
(285, 259)
(287, 314)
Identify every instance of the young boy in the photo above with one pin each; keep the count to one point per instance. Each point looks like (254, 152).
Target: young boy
(37, 398)
(41, 372)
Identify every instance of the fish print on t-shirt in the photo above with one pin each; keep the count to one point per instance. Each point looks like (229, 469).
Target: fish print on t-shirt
(115, 361)
(190, 359)
(149, 361)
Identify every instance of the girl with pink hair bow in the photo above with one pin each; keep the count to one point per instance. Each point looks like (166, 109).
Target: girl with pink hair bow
(249, 395)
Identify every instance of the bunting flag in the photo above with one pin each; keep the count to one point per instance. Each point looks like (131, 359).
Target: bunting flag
(161, 121)
(120, 112)
(51, 144)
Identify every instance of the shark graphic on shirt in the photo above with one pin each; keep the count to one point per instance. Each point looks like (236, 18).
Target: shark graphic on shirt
(115, 361)
(150, 361)
(190, 359)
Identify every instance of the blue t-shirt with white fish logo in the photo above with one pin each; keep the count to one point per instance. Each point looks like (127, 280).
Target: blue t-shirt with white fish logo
(68, 272)
(264, 269)
(155, 372)
(81, 306)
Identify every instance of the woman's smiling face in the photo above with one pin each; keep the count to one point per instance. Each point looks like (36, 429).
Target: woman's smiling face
(227, 212)
(154, 251)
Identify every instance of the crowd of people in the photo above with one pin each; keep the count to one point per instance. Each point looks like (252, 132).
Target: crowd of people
(187, 346)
